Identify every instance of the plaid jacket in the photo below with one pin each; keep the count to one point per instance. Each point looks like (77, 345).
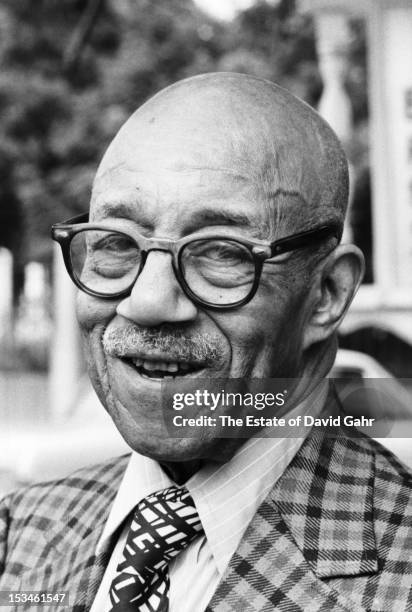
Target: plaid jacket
(335, 533)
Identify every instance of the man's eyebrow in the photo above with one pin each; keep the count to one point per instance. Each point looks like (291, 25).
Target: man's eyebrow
(214, 216)
(123, 210)
(115, 209)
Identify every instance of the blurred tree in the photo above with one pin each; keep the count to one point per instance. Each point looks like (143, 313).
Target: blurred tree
(274, 41)
(73, 70)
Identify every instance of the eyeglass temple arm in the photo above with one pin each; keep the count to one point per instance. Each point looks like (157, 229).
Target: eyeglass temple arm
(83, 218)
(304, 239)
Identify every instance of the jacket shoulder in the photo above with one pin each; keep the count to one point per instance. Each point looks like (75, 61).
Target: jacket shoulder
(46, 502)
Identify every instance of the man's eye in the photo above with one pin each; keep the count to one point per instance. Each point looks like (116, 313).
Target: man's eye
(113, 243)
(228, 253)
(109, 255)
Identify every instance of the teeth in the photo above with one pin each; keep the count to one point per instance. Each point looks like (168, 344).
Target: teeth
(150, 365)
(166, 366)
(160, 366)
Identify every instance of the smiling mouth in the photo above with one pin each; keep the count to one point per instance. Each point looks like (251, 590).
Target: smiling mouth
(162, 370)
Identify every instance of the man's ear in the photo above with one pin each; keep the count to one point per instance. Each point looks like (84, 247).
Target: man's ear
(334, 288)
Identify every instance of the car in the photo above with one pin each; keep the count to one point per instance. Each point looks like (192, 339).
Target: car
(354, 364)
(366, 388)
(363, 383)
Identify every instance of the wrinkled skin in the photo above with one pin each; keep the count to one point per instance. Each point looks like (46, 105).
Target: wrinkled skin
(190, 154)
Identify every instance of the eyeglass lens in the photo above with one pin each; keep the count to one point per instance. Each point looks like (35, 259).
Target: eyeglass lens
(103, 261)
(220, 272)
(217, 271)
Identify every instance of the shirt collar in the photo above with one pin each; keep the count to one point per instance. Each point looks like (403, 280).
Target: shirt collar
(226, 495)
(142, 477)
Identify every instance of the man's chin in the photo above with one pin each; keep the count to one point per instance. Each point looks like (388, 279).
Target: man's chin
(164, 449)
(141, 410)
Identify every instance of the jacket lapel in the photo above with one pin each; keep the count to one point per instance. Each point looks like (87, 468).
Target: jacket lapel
(317, 523)
(78, 572)
(326, 501)
(68, 548)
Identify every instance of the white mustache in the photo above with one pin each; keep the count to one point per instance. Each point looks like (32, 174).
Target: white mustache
(130, 340)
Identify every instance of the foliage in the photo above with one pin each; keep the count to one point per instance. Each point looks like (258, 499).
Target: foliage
(274, 41)
(58, 116)
(66, 86)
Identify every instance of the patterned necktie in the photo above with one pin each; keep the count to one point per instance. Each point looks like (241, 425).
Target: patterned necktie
(163, 525)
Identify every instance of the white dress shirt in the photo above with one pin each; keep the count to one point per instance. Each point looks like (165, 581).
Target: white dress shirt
(226, 496)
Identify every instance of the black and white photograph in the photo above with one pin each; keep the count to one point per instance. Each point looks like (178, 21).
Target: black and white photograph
(206, 305)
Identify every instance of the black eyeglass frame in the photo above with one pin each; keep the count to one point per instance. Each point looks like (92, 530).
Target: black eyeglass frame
(261, 253)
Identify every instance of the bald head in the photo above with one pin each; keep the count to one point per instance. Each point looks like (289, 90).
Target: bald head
(250, 128)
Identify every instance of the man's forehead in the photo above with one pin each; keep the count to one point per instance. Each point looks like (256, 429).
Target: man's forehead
(190, 210)
(247, 129)
(140, 157)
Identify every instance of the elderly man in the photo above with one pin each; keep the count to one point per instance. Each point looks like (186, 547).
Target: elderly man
(211, 251)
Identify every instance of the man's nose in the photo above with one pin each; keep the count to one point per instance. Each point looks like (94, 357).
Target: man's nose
(157, 296)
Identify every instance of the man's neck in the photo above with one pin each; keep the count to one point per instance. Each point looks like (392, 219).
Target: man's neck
(180, 472)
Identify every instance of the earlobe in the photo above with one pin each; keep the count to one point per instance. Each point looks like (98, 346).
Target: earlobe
(336, 286)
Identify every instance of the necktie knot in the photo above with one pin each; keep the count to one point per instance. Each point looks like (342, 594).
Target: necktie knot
(163, 524)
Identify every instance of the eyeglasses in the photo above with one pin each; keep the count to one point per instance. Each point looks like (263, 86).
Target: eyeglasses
(217, 271)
